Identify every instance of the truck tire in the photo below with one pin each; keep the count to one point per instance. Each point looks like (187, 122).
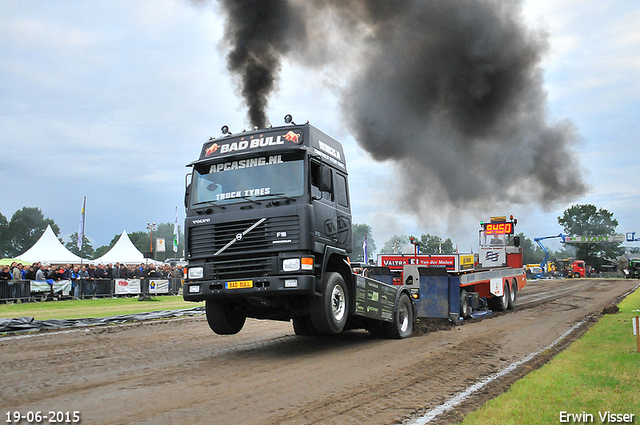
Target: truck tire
(302, 326)
(513, 295)
(501, 303)
(222, 317)
(465, 308)
(577, 275)
(329, 312)
(402, 324)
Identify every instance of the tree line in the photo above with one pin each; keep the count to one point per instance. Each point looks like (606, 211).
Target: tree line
(28, 224)
(586, 220)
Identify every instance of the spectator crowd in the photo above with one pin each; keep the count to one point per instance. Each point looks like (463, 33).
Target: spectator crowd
(44, 272)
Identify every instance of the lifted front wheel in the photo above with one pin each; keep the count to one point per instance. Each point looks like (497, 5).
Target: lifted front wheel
(223, 318)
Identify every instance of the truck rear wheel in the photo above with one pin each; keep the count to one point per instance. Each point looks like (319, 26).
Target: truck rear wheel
(513, 295)
(329, 312)
(465, 308)
(501, 303)
(402, 324)
(223, 319)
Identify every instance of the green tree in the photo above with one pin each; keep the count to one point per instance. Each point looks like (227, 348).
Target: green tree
(430, 244)
(87, 250)
(25, 228)
(531, 251)
(141, 240)
(101, 250)
(165, 230)
(359, 232)
(588, 220)
(395, 245)
(4, 236)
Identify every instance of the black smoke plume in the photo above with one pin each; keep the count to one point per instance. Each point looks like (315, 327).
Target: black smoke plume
(450, 91)
(259, 33)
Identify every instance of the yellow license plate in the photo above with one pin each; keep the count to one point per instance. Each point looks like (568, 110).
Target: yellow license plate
(238, 284)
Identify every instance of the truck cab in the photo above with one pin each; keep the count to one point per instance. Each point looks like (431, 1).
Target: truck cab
(268, 216)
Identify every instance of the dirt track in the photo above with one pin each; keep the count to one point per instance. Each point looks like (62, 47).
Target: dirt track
(178, 371)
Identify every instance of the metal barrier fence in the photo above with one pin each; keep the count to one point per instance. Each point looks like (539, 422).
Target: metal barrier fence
(28, 290)
(15, 290)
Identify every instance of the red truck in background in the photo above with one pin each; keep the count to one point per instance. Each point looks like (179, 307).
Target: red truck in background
(572, 268)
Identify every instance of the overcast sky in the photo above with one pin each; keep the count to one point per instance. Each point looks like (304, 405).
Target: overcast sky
(111, 99)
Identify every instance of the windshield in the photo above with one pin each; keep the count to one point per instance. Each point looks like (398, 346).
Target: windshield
(256, 178)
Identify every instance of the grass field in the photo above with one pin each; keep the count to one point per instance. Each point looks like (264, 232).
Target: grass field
(598, 373)
(74, 309)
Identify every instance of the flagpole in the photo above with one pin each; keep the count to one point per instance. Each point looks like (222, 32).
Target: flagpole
(81, 228)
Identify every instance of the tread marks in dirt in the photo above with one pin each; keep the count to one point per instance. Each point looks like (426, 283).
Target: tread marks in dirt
(406, 390)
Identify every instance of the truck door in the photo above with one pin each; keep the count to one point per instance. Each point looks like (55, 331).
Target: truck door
(324, 205)
(343, 210)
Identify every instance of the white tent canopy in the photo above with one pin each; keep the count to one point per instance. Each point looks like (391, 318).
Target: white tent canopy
(124, 251)
(50, 250)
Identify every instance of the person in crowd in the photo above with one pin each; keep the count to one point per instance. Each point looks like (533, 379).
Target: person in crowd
(40, 276)
(16, 271)
(84, 278)
(29, 273)
(93, 274)
(135, 272)
(5, 275)
(84, 273)
(100, 273)
(65, 273)
(166, 271)
(124, 272)
(74, 276)
(49, 272)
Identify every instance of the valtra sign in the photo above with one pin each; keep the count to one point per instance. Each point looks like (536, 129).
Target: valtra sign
(452, 262)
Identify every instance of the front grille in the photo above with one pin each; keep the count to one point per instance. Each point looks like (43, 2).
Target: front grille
(240, 268)
(206, 240)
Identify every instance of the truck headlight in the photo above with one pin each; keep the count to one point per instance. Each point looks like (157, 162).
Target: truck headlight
(195, 273)
(291, 264)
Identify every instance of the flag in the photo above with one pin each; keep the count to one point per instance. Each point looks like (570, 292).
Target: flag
(81, 227)
(175, 233)
(364, 248)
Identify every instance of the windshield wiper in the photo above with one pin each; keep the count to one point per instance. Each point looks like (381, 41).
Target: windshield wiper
(248, 198)
(208, 204)
(279, 195)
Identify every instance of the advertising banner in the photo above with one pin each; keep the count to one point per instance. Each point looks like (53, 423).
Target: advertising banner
(157, 286)
(127, 286)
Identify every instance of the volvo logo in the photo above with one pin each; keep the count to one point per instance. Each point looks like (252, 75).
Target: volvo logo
(201, 220)
(239, 236)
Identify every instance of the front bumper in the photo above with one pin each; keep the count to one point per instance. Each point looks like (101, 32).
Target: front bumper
(199, 290)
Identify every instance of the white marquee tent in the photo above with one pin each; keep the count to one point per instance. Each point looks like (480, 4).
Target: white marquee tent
(124, 251)
(50, 250)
